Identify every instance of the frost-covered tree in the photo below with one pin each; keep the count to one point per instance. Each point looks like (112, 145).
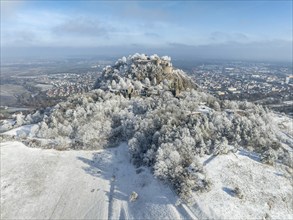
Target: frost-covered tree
(19, 119)
(147, 82)
(113, 84)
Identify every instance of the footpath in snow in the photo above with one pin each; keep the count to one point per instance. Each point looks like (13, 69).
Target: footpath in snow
(50, 184)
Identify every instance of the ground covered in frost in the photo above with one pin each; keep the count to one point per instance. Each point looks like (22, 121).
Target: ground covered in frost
(266, 190)
(43, 184)
(46, 184)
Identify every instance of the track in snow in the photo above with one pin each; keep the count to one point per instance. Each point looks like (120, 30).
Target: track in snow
(49, 184)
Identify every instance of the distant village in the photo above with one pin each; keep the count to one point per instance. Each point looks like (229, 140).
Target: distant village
(64, 84)
(262, 83)
(271, 85)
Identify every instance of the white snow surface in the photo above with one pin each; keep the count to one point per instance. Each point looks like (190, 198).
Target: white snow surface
(285, 123)
(50, 184)
(267, 190)
(19, 130)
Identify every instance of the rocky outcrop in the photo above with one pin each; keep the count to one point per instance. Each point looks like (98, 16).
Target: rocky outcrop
(143, 72)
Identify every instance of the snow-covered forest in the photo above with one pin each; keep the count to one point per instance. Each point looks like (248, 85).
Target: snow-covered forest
(168, 122)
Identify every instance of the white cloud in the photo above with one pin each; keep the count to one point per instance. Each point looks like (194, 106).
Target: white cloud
(83, 26)
(222, 37)
(9, 8)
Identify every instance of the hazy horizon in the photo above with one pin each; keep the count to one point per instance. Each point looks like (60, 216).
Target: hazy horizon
(252, 30)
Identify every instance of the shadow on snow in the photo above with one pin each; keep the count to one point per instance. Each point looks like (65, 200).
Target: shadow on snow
(113, 164)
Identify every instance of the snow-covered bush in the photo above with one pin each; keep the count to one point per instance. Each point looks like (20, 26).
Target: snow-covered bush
(133, 196)
(238, 192)
(6, 125)
(19, 119)
(92, 121)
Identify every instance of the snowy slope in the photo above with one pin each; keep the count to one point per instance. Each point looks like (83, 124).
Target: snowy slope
(25, 129)
(43, 184)
(285, 124)
(267, 190)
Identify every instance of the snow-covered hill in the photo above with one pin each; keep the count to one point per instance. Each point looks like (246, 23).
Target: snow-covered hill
(205, 149)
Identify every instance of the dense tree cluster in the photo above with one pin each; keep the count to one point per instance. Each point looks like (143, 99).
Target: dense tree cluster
(163, 132)
(19, 119)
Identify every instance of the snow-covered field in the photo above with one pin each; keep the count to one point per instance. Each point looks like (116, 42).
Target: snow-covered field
(267, 190)
(50, 184)
(285, 123)
(43, 184)
(26, 129)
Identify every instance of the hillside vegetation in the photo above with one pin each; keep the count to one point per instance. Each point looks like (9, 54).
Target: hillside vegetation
(168, 122)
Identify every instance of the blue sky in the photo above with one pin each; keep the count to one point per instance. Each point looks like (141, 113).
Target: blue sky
(182, 26)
